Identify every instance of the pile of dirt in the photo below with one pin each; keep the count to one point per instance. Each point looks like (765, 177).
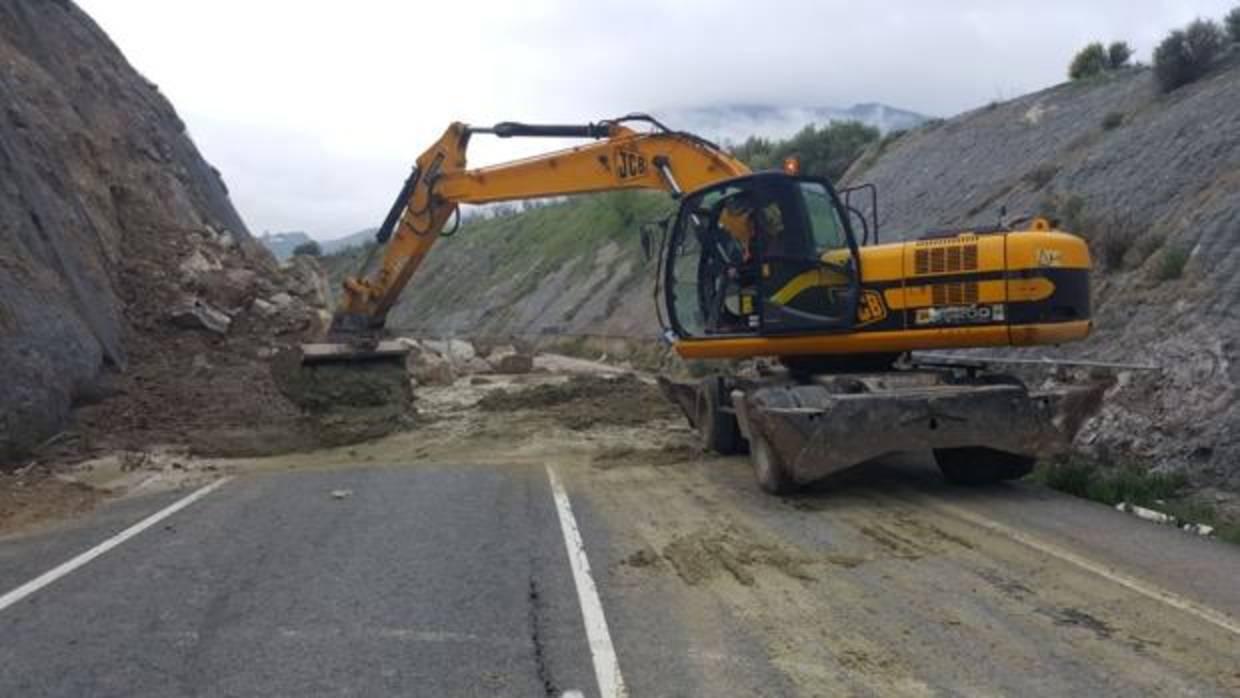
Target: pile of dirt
(585, 401)
(27, 499)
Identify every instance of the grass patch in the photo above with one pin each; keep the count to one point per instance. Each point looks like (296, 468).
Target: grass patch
(1172, 265)
(1109, 485)
(1163, 492)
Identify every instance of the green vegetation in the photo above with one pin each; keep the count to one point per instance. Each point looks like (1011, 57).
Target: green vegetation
(1118, 55)
(1089, 62)
(1096, 59)
(1173, 261)
(1112, 485)
(1232, 24)
(1187, 54)
(1041, 175)
(310, 249)
(1067, 210)
(1112, 121)
(826, 151)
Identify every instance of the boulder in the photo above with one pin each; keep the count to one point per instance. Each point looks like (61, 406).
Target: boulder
(194, 314)
(452, 349)
(431, 370)
(512, 363)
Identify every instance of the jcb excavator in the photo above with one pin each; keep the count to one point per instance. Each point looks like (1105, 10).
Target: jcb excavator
(770, 264)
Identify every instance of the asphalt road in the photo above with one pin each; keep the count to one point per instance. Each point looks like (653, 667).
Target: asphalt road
(455, 580)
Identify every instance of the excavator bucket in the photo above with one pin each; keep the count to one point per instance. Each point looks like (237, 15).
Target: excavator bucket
(337, 352)
(330, 377)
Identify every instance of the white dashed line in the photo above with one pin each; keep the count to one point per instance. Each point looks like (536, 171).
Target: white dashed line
(606, 668)
(52, 575)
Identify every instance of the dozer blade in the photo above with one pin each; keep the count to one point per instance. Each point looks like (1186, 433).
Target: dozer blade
(815, 431)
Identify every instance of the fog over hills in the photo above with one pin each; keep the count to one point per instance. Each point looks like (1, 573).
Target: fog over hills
(733, 123)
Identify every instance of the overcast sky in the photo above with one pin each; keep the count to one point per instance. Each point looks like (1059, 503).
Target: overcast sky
(314, 110)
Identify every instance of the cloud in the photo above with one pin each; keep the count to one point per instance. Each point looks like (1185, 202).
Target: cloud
(314, 112)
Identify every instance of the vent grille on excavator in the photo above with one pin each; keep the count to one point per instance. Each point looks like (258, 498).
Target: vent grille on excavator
(945, 260)
(954, 294)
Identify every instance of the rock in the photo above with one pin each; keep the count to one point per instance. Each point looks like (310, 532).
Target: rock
(264, 308)
(199, 263)
(229, 288)
(473, 365)
(452, 349)
(195, 314)
(430, 369)
(281, 301)
(307, 280)
(513, 363)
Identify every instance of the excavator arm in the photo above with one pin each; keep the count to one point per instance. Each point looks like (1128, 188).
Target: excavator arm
(620, 158)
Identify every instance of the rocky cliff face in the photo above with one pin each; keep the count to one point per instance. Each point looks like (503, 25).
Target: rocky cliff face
(125, 272)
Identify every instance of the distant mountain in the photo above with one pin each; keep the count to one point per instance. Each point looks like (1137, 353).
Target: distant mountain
(283, 244)
(357, 239)
(733, 123)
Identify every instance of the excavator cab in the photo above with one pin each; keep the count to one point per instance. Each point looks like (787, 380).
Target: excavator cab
(759, 255)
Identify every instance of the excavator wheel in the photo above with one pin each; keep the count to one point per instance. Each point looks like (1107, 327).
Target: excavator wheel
(981, 466)
(716, 423)
(768, 467)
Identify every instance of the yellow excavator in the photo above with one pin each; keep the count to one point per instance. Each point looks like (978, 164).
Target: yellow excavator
(776, 264)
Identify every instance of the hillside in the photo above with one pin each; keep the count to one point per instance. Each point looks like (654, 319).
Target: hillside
(135, 308)
(1153, 181)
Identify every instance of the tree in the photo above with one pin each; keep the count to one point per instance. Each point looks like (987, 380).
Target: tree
(310, 249)
(1186, 54)
(1118, 55)
(825, 151)
(1232, 22)
(1090, 61)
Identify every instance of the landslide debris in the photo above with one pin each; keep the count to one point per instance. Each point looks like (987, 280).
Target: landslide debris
(584, 401)
(135, 307)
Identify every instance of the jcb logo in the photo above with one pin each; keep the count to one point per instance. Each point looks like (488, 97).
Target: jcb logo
(630, 164)
(870, 308)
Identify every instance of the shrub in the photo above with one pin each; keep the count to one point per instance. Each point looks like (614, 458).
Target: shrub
(1232, 22)
(1041, 175)
(310, 249)
(1090, 61)
(1114, 238)
(1186, 54)
(1173, 261)
(1112, 121)
(1118, 55)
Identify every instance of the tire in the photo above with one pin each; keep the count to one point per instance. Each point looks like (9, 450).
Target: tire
(769, 470)
(717, 428)
(981, 466)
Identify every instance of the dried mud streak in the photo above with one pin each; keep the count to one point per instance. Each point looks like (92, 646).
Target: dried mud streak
(909, 583)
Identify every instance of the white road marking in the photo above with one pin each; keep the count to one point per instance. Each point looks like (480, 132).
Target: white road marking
(1146, 589)
(63, 569)
(606, 668)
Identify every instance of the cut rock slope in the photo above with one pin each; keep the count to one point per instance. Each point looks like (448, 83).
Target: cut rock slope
(130, 288)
